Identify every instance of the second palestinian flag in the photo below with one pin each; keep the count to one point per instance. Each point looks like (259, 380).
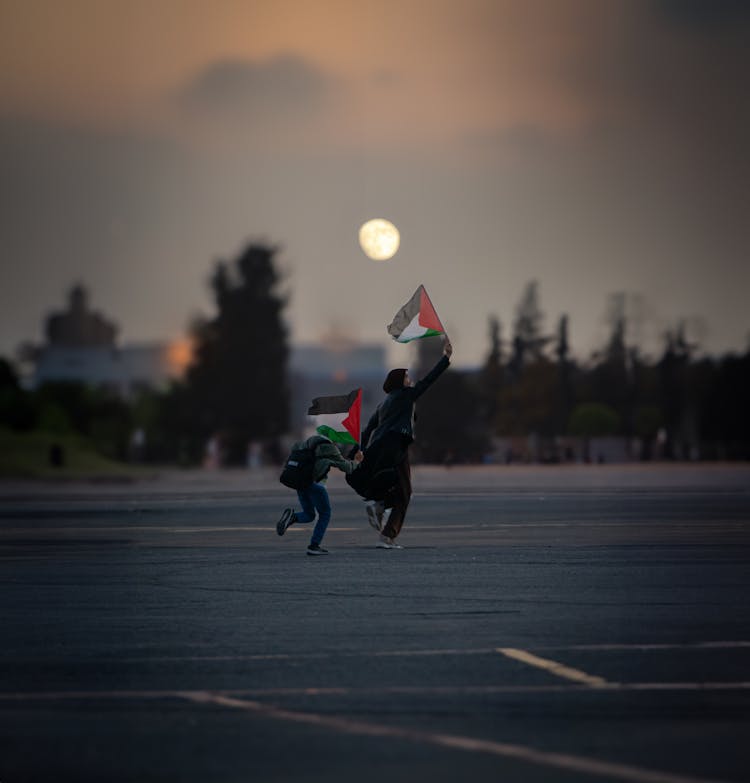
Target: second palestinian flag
(338, 416)
(416, 319)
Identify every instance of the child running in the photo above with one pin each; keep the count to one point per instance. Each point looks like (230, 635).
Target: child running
(314, 498)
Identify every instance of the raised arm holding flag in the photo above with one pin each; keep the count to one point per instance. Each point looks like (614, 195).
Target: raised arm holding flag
(390, 430)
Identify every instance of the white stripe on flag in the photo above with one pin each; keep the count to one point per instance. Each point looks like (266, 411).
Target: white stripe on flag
(413, 331)
(332, 420)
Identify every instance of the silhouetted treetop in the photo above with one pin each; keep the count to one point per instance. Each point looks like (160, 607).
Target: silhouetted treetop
(237, 382)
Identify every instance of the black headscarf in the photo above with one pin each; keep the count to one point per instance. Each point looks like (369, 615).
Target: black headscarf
(394, 380)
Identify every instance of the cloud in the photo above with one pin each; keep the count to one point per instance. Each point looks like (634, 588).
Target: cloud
(277, 93)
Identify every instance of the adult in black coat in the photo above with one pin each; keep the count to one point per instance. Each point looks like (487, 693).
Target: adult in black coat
(386, 440)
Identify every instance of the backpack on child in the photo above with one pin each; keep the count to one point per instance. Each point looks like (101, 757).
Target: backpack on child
(298, 472)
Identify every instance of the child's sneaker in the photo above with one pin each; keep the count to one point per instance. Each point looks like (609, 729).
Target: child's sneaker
(316, 549)
(286, 521)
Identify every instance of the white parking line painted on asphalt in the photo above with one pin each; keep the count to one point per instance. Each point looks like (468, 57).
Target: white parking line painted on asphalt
(563, 761)
(553, 667)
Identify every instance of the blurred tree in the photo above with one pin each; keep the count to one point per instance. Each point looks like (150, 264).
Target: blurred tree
(491, 376)
(527, 405)
(647, 422)
(53, 419)
(591, 420)
(168, 421)
(237, 384)
(594, 420)
(527, 400)
(98, 413)
(17, 408)
(8, 375)
(447, 428)
(528, 341)
(493, 365)
(76, 399)
(448, 425)
(725, 415)
(675, 402)
(564, 373)
(610, 377)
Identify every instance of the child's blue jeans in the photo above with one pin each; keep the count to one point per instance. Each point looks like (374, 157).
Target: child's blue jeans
(314, 498)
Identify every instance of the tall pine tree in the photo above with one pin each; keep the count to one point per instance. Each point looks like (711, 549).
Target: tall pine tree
(237, 383)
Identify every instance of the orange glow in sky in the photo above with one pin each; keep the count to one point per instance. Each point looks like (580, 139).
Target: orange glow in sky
(179, 356)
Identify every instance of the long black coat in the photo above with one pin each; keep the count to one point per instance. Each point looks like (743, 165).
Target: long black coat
(387, 436)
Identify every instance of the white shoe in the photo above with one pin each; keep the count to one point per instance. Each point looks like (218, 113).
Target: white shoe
(387, 543)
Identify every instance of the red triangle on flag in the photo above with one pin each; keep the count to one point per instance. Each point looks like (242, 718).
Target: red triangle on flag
(427, 315)
(352, 421)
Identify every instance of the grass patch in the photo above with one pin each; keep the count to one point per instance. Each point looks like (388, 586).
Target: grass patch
(30, 455)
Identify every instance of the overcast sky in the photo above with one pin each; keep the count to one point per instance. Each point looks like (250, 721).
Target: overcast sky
(597, 146)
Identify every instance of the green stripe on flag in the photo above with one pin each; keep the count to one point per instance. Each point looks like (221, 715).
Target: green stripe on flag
(336, 437)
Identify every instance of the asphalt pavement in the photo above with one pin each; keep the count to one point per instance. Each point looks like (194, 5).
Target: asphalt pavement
(577, 623)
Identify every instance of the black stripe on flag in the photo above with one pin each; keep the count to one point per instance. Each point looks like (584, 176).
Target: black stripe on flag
(337, 404)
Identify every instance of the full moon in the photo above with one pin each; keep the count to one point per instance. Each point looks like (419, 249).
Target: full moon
(379, 239)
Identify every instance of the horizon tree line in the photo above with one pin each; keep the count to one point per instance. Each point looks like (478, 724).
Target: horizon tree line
(530, 385)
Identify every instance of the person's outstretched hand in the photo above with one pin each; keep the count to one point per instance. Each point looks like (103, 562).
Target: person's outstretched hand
(359, 456)
(448, 348)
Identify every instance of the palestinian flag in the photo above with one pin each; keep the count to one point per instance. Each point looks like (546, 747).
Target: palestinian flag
(338, 416)
(416, 319)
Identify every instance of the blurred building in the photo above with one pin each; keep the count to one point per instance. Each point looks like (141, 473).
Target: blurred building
(81, 346)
